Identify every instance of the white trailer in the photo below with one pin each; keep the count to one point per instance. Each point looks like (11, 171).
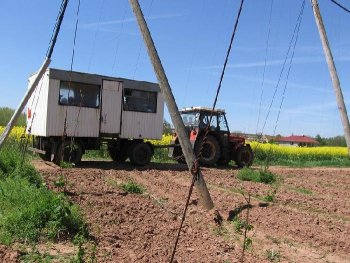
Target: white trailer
(71, 112)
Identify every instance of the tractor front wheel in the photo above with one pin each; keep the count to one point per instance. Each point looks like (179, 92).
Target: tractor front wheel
(208, 150)
(244, 156)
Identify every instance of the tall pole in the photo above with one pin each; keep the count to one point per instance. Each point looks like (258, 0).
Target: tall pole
(200, 184)
(333, 72)
(38, 76)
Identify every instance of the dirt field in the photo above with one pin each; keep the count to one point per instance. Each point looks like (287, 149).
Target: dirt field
(309, 221)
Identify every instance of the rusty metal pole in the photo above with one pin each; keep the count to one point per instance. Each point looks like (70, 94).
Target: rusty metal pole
(200, 184)
(333, 72)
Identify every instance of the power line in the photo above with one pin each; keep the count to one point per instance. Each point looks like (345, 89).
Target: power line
(341, 6)
(264, 70)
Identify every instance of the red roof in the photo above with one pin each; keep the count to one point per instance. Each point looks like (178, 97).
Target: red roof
(298, 139)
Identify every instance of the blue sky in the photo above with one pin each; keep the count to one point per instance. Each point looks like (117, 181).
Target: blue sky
(191, 38)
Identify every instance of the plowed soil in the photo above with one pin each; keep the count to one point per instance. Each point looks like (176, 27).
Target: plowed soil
(308, 220)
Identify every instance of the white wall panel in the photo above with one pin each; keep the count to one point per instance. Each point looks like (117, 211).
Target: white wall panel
(81, 121)
(143, 125)
(37, 105)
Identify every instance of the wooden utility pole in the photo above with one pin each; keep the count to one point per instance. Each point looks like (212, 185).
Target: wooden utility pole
(38, 76)
(333, 72)
(200, 184)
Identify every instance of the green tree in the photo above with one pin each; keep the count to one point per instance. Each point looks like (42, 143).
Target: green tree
(166, 127)
(6, 114)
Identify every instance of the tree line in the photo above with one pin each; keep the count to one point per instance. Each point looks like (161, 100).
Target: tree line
(6, 114)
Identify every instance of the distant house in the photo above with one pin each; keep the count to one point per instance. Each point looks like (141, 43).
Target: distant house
(297, 140)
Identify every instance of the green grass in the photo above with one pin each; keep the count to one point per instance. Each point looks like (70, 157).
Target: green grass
(336, 162)
(302, 190)
(258, 176)
(132, 187)
(273, 255)
(11, 165)
(30, 212)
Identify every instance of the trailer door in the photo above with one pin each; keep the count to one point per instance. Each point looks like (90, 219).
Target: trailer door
(111, 107)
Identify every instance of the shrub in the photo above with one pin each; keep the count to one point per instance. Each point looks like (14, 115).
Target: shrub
(29, 213)
(11, 165)
(258, 176)
(133, 187)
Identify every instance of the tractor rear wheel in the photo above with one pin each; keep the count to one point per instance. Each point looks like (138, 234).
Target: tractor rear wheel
(244, 156)
(140, 154)
(208, 151)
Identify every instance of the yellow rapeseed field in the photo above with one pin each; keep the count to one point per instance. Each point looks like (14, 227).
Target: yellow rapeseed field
(15, 134)
(261, 150)
(275, 151)
(298, 153)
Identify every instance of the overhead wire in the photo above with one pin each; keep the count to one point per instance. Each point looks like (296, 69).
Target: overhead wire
(141, 45)
(95, 35)
(282, 71)
(265, 62)
(341, 6)
(49, 52)
(295, 41)
(197, 171)
(289, 68)
(119, 37)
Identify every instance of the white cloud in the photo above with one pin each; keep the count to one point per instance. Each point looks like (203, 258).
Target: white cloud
(128, 20)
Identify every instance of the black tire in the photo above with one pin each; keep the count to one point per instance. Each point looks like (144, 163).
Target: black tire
(140, 154)
(117, 155)
(70, 152)
(244, 156)
(210, 153)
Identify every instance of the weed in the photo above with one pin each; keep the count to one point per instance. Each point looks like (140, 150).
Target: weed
(66, 165)
(258, 176)
(60, 182)
(30, 213)
(11, 165)
(273, 255)
(270, 197)
(240, 225)
(132, 187)
(302, 190)
(220, 230)
(161, 201)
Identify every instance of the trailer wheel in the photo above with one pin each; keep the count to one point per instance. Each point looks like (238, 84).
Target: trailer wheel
(118, 156)
(210, 153)
(244, 156)
(70, 152)
(140, 154)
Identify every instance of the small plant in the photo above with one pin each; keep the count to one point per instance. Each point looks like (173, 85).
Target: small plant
(132, 187)
(66, 165)
(270, 197)
(220, 230)
(241, 225)
(273, 255)
(303, 190)
(258, 176)
(60, 182)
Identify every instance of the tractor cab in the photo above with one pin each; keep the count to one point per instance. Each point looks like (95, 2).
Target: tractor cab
(211, 139)
(200, 117)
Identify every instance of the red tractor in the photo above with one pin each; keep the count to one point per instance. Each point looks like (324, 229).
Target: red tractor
(219, 147)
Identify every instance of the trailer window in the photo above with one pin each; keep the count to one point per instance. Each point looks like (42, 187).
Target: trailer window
(142, 101)
(79, 94)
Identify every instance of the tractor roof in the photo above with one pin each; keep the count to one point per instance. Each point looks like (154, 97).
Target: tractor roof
(201, 109)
